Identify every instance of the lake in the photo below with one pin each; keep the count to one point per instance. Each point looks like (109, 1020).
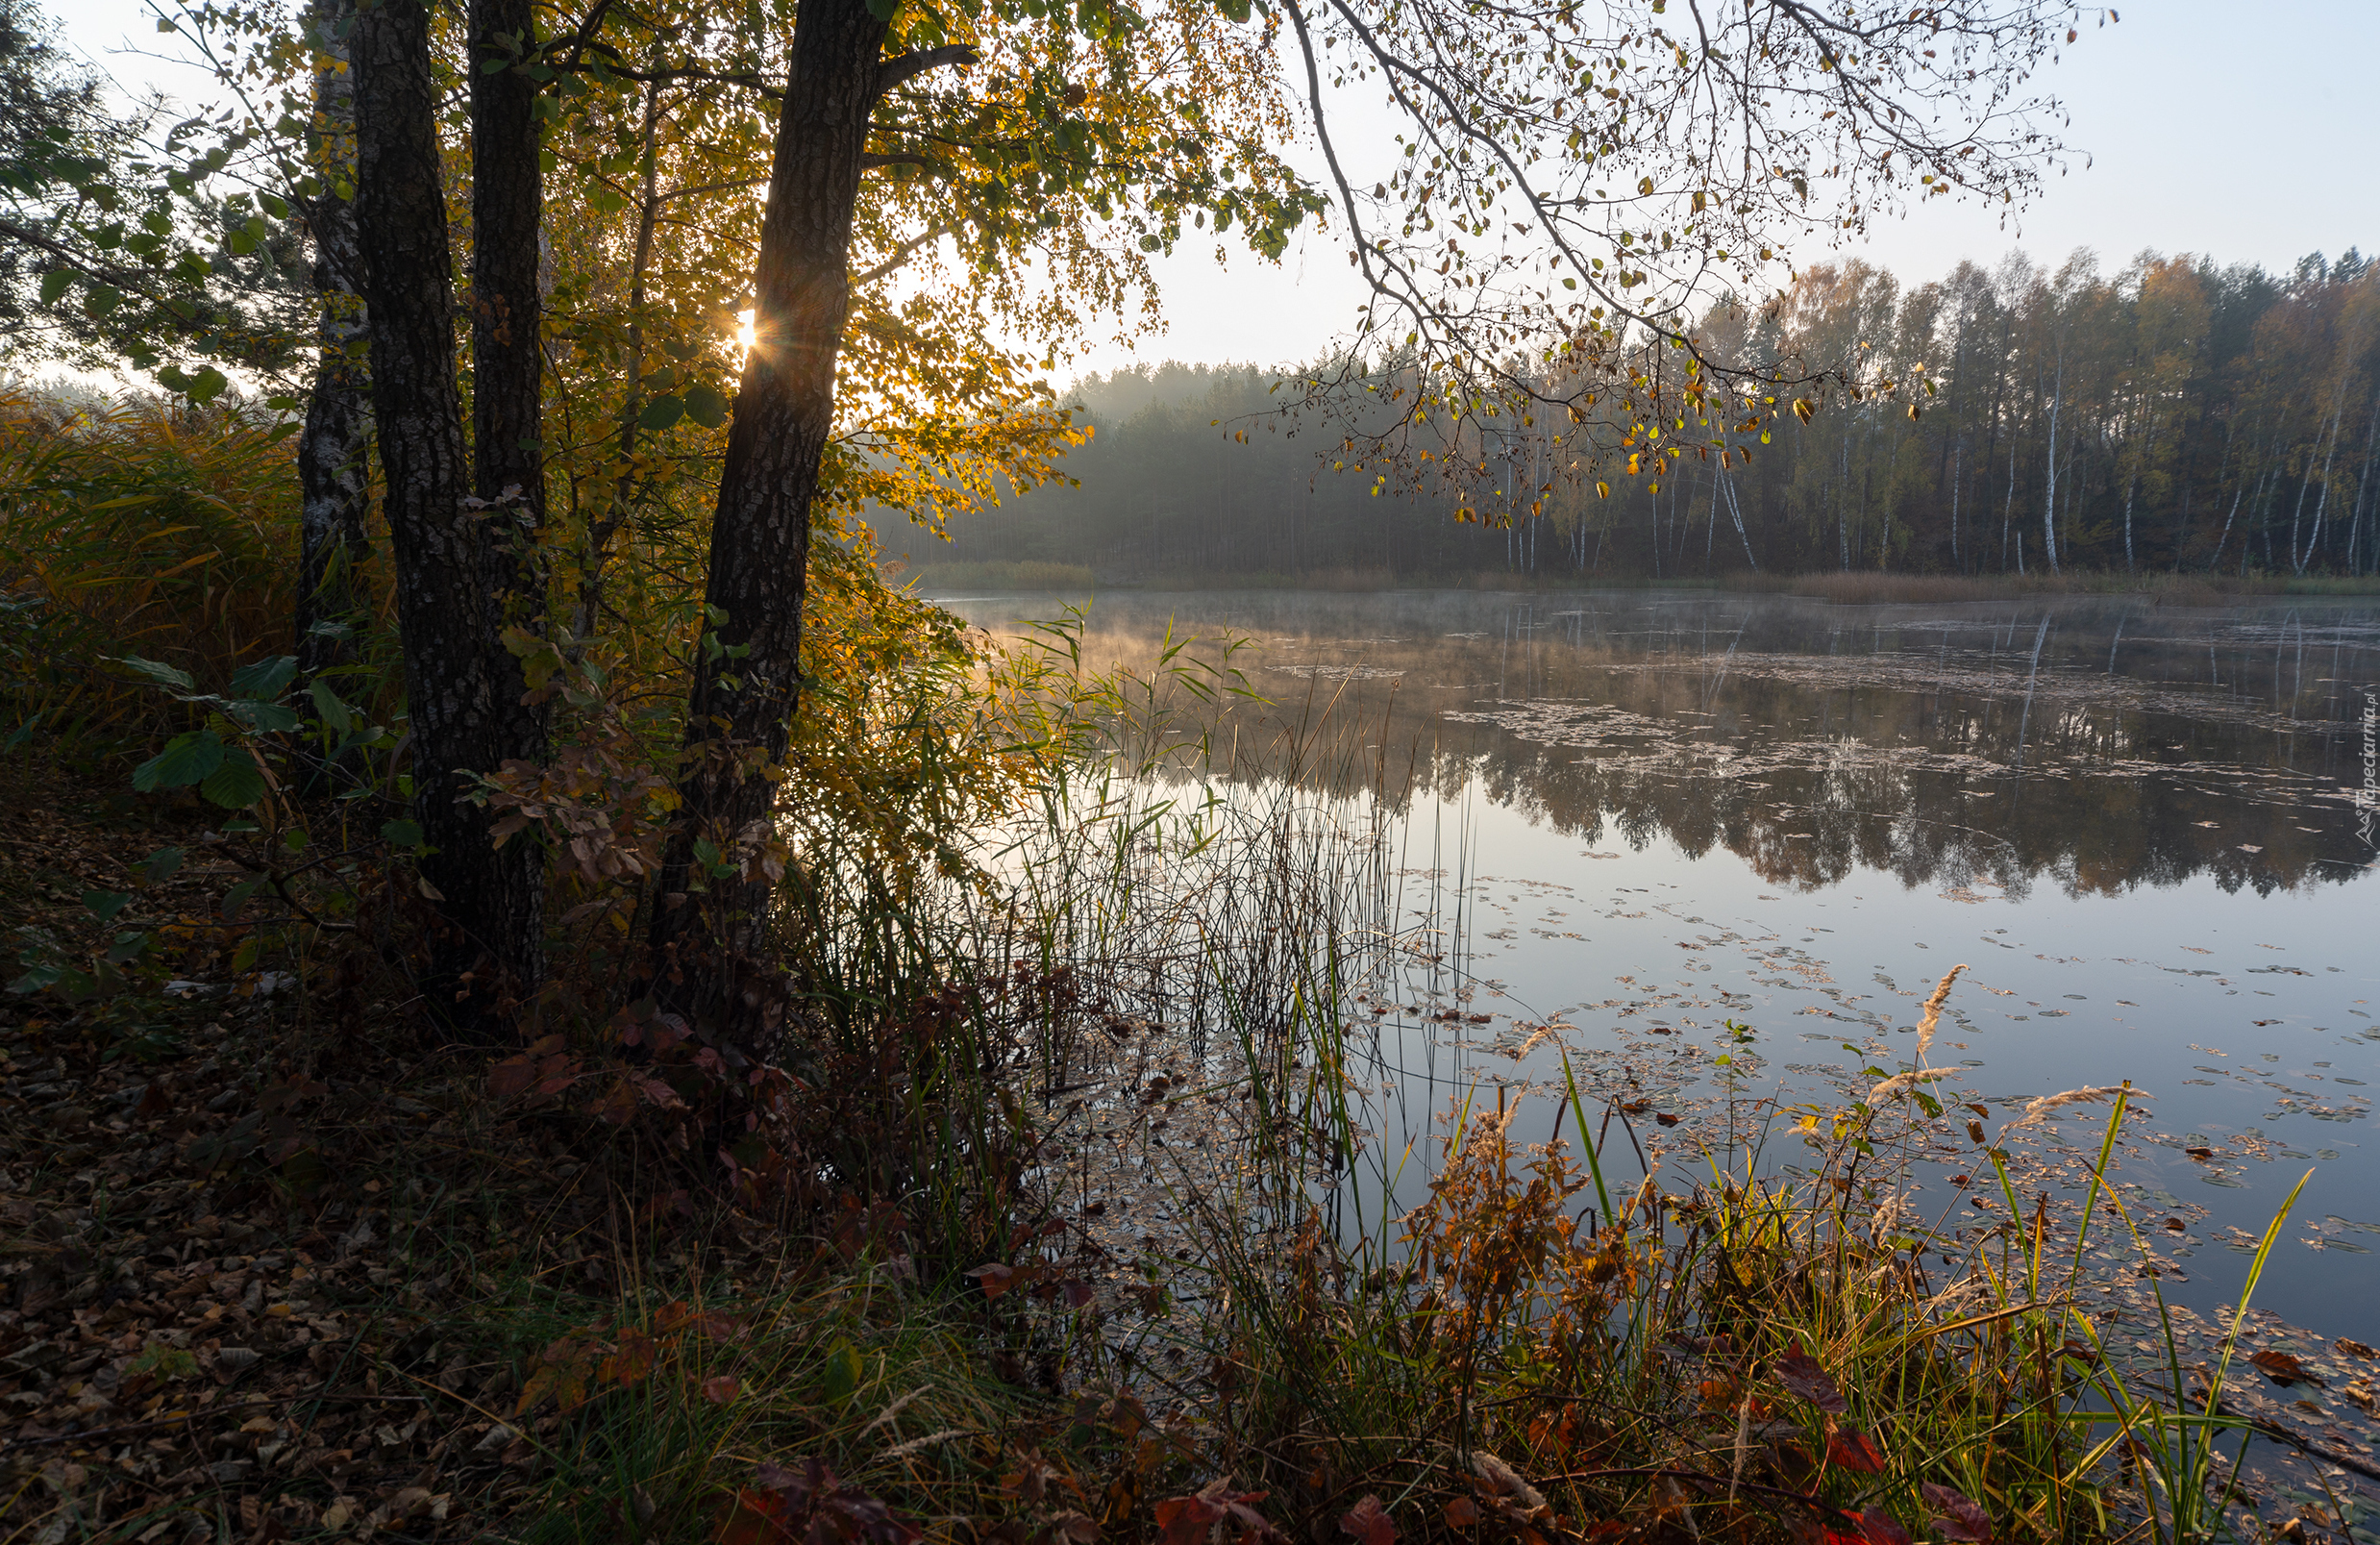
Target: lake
(1638, 818)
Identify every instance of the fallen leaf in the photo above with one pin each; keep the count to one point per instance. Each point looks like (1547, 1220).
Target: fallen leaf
(722, 1388)
(2283, 1369)
(1368, 1521)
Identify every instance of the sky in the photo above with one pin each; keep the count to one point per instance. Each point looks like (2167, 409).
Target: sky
(2197, 125)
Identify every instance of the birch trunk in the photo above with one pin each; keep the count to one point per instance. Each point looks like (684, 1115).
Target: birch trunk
(332, 446)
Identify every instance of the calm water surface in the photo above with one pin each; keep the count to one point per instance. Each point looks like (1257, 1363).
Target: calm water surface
(1638, 816)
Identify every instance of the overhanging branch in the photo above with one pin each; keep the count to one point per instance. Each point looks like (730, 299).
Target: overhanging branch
(917, 62)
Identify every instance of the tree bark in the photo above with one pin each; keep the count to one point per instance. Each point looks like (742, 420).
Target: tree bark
(331, 480)
(747, 678)
(437, 543)
(507, 453)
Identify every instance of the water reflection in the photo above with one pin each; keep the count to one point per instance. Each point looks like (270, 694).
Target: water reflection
(2093, 744)
(1622, 820)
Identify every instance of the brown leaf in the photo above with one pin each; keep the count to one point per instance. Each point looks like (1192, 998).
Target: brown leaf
(2283, 1369)
(1368, 1521)
(631, 1362)
(1802, 1375)
(1462, 1513)
(994, 1278)
(1961, 1517)
(722, 1388)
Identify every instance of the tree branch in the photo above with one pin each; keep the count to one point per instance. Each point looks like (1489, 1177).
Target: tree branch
(111, 277)
(900, 254)
(917, 62)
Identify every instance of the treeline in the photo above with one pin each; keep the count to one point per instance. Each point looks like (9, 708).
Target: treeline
(2177, 415)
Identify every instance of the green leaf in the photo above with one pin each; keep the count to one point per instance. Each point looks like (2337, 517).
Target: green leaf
(401, 833)
(161, 865)
(264, 678)
(202, 388)
(707, 405)
(329, 707)
(236, 785)
(842, 1373)
(157, 1357)
(661, 412)
(104, 905)
(260, 717)
(156, 670)
(191, 757)
(54, 284)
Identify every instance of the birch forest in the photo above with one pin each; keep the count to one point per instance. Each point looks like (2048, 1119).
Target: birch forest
(2177, 415)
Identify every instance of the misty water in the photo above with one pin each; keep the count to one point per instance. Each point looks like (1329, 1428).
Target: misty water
(1639, 816)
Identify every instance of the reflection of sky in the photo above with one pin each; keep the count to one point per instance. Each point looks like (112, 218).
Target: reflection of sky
(2063, 990)
(2170, 893)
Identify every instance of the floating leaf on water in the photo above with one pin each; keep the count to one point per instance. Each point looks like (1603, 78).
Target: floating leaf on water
(2283, 1369)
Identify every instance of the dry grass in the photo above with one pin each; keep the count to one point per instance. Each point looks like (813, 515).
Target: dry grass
(131, 527)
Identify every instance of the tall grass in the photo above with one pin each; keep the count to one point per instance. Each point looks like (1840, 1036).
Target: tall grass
(130, 526)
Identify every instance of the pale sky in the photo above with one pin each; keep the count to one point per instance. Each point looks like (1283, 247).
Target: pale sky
(2208, 125)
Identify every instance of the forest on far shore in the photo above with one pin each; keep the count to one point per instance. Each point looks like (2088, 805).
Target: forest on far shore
(2178, 416)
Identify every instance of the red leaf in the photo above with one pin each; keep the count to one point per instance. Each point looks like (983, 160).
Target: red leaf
(1185, 1520)
(1961, 1518)
(1854, 1451)
(508, 1079)
(1803, 1376)
(994, 1278)
(1368, 1521)
(1882, 1528)
(1462, 1513)
(722, 1388)
(754, 1518)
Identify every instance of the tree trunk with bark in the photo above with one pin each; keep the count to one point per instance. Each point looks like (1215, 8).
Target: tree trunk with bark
(747, 677)
(437, 541)
(507, 452)
(331, 475)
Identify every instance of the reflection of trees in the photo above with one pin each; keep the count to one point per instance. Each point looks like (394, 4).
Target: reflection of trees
(1828, 748)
